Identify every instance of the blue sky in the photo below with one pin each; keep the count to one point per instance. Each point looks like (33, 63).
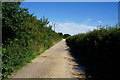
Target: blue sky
(75, 17)
(71, 0)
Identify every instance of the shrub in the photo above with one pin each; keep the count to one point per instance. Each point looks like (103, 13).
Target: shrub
(98, 51)
(24, 37)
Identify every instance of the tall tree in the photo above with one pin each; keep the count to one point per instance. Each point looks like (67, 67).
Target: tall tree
(13, 18)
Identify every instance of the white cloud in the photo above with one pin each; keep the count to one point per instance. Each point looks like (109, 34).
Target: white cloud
(99, 21)
(73, 28)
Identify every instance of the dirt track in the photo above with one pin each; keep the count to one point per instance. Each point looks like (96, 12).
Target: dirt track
(55, 62)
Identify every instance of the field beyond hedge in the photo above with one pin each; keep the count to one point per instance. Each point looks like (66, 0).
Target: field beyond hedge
(98, 51)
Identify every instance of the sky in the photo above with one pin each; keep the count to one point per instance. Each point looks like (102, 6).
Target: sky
(71, 0)
(75, 17)
(61, 0)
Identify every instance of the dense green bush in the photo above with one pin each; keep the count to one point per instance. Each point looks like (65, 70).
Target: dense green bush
(24, 37)
(64, 35)
(98, 51)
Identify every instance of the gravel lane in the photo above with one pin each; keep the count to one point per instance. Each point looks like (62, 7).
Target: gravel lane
(55, 62)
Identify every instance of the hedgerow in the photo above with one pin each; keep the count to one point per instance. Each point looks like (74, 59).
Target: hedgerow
(98, 51)
(24, 37)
